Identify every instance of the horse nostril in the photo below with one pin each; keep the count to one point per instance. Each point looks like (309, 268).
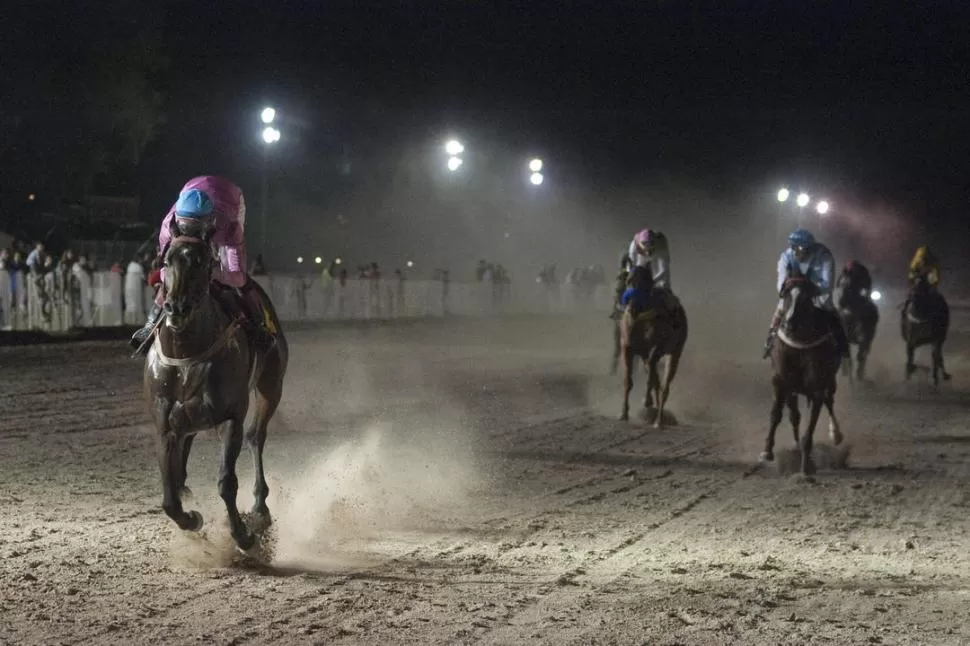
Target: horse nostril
(168, 308)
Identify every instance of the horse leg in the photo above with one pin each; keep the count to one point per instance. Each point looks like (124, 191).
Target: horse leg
(794, 416)
(184, 491)
(776, 413)
(267, 399)
(229, 484)
(170, 450)
(670, 371)
(616, 348)
(938, 368)
(808, 465)
(863, 355)
(835, 433)
(627, 382)
(653, 381)
(910, 366)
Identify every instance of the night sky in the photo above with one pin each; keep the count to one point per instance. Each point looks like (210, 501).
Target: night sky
(869, 100)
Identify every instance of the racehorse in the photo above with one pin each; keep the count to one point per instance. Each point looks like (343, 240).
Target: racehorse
(659, 332)
(198, 375)
(925, 320)
(806, 362)
(860, 317)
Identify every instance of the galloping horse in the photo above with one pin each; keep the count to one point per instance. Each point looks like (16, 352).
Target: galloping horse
(198, 375)
(925, 319)
(805, 362)
(652, 335)
(860, 317)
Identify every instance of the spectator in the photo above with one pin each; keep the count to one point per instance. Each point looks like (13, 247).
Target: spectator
(36, 259)
(135, 311)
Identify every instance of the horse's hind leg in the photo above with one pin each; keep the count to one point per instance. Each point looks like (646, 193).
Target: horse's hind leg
(835, 433)
(938, 368)
(794, 416)
(615, 362)
(267, 397)
(808, 465)
(229, 484)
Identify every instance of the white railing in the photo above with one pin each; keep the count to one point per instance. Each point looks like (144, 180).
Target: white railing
(56, 302)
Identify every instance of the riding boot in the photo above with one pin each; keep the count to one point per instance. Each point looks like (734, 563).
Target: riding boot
(142, 334)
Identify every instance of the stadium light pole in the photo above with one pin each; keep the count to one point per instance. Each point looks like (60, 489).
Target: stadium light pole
(271, 135)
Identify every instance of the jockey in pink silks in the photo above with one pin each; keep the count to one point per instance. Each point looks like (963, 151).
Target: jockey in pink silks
(215, 206)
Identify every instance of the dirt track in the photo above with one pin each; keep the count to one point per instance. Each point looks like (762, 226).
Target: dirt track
(469, 483)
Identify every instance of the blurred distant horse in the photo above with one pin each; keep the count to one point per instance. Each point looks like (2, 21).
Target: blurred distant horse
(860, 317)
(925, 320)
(659, 332)
(198, 375)
(806, 362)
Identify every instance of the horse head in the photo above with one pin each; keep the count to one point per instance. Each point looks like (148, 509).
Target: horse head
(188, 271)
(800, 311)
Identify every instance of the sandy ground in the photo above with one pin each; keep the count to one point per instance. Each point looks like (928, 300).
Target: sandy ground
(469, 483)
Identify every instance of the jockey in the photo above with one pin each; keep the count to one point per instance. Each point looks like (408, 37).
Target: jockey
(807, 257)
(924, 265)
(212, 206)
(650, 252)
(855, 278)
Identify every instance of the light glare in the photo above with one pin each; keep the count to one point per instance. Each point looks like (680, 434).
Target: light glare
(876, 295)
(318, 260)
(454, 147)
(299, 259)
(783, 195)
(410, 264)
(268, 115)
(822, 207)
(454, 163)
(536, 179)
(803, 199)
(271, 135)
(535, 165)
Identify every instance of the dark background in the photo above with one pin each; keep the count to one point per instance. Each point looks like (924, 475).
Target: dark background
(683, 115)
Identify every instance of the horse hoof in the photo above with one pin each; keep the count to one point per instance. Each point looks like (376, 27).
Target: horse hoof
(836, 438)
(947, 377)
(766, 456)
(624, 417)
(808, 469)
(246, 541)
(195, 522)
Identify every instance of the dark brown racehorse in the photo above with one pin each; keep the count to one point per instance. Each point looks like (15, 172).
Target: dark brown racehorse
(860, 318)
(659, 333)
(806, 362)
(925, 320)
(198, 375)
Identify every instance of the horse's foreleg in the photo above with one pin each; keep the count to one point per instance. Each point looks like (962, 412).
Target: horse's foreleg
(863, 354)
(229, 485)
(184, 490)
(794, 416)
(776, 413)
(171, 463)
(627, 381)
(938, 368)
(653, 381)
(808, 465)
(670, 371)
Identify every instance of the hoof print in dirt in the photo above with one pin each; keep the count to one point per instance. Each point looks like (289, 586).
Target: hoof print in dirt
(649, 415)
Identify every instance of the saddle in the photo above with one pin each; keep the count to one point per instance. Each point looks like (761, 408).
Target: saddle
(660, 303)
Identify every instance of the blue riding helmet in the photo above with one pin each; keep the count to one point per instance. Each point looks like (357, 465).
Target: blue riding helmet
(194, 204)
(801, 238)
